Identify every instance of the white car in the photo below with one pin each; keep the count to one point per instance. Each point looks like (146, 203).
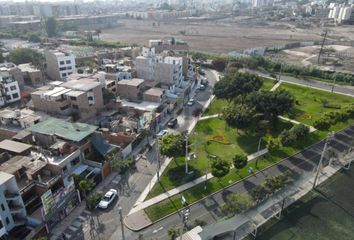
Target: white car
(162, 133)
(190, 102)
(108, 199)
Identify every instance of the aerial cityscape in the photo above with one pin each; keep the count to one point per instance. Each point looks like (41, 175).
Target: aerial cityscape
(176, 119)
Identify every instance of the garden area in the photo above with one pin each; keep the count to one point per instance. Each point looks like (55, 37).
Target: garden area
(222, 141)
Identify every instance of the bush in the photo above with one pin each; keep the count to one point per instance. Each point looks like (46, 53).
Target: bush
(296, 133)
(322, 124)
(286, 138)
(273, 144)
(300, 131)
(236, 203)
(93, 200)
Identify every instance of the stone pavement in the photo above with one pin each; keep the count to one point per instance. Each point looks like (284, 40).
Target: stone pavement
(276, 86)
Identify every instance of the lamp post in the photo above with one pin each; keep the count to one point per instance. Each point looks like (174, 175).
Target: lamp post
(158, 159)
(258, 149)
(330, 135)
(121, 221)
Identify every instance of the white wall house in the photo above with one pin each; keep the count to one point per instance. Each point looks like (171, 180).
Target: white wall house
(9, 89)
(60, 64)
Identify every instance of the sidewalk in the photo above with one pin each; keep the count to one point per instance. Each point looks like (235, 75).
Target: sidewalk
(312, 129)
(276, 86)
(59, 229)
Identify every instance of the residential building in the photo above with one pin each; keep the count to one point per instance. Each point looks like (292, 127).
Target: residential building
(131, 89)
(82, 97)
(172, 44)
(9, 88)
(13, 212)
(15, 148)
(154, 95)
(60, 64)
(18, 119)
(31, 75)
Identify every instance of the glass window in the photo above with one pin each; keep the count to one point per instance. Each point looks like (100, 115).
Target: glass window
(62, 62)
(7, 221)
(68, 61)
(15, 95)
(63, 74)
(13, 88)
(2, 207)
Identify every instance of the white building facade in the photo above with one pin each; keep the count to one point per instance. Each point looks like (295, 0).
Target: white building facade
(9, 89)
(60, 64)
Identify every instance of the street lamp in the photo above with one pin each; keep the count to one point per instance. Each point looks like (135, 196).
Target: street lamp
(258, 149)
(121, 221)
(330, 135)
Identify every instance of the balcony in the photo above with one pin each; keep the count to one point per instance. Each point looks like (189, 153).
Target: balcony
(47, 180)
(14, 208)
(10, 195)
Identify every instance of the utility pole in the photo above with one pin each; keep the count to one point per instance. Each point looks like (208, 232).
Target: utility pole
(186, 161)
(259, 148)
(158, 158)
(321, 159)
(121, 221)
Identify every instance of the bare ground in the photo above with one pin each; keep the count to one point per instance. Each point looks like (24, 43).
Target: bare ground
(214, 36)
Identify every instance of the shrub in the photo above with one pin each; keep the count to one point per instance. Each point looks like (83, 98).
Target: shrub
(322, 124)
(286, 138)
(300, 131)
(273, 144)
(93, 200)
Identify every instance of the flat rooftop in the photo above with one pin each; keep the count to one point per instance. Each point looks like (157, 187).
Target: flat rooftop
(63, 129)
(131, 82)
(27, 67)
(154, 92)
(4, 177)
(81, 84)
(13, 146)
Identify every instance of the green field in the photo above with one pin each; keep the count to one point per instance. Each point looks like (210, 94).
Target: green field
(308, 106)
(326, 214)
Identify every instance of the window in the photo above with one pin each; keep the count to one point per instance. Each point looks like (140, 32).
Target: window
(2, 207)
(8, 97)
(75, 161)
(63, 74)
(73, 98)
(7, 220)
(75, 106)
(62, 62)
(65, 168)
(6, 89)
(68, 61)
(12, 88)
(90, 98)
(69, 67)
(1, 224)
(87, 151)
(69, 73)
(62, 68)
(15, 95)
(64, 107)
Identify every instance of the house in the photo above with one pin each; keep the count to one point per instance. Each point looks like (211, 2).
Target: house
(60, 64)
(9, 88)
(130, 89)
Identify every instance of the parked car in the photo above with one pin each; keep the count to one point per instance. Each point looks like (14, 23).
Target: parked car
(204, 82)
(190, 102)
(172, 123)
(201, 87)
(162, 133)
(108, 199)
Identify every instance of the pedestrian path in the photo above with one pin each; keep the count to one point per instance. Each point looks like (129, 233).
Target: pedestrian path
(209, 117)
(142, 205)
(276, 86)
(312, 129)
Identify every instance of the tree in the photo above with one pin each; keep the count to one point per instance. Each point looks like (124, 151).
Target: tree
(236, 84)
(219, 65)
(240, 161)
(93, 200)
(220, 168)
(273, 145)
(51, 26)
(34, 37)
(238, 115)
(300, 131)
(258, 193)
(26, 55)
(173, 233)
(287, 138)
(1, 57)
(173, 145)
(322, 124)
(120, 165)
(85, 186)
(271, 104)
(236, 203)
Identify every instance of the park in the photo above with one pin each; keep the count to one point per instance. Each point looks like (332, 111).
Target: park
(240, 122)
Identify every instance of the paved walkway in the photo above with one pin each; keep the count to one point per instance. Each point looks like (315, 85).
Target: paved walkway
(312, 129)
(209, 117)
(184, 187)
(276, 86)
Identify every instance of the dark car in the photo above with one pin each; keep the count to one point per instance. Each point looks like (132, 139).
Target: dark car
(172, 123)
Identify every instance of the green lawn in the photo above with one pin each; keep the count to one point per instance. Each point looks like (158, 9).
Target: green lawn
(309, 107)
(194, 194)
(212, 137)
(321, 215)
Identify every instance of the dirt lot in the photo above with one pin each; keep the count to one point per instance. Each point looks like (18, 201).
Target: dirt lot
(214, 36)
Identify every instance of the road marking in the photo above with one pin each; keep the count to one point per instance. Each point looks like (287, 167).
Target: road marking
(157, 230)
